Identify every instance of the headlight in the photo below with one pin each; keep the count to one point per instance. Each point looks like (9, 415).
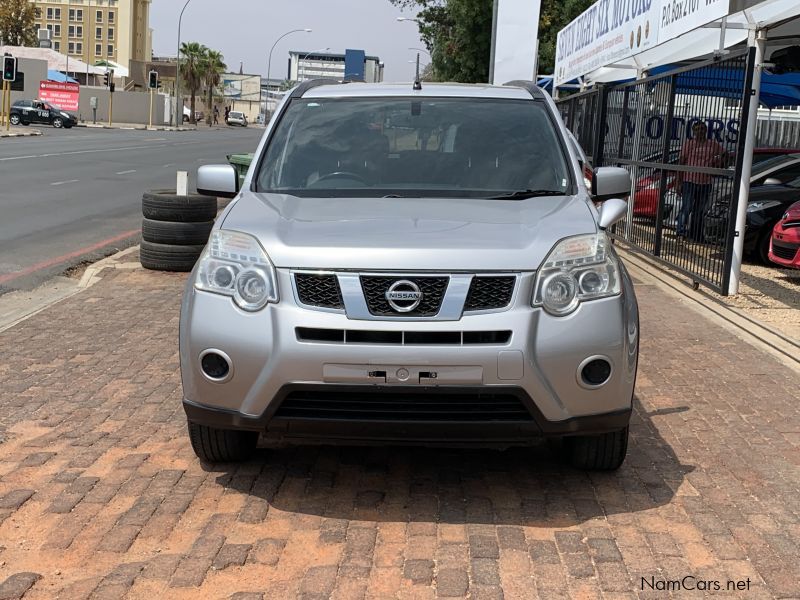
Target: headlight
(578, 269)
(761, 205)
(65, 115)
(234, 264)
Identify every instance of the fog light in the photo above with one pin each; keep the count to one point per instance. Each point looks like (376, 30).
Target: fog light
(215, 365)
(595, 372)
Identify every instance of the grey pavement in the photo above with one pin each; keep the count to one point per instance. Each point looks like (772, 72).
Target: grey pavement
(74, 195)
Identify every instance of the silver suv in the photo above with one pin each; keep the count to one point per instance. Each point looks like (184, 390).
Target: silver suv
(411, 265)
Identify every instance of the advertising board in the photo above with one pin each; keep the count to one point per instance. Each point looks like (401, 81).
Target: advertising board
(64, 95)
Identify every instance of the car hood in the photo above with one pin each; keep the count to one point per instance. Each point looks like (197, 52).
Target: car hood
(409, 233)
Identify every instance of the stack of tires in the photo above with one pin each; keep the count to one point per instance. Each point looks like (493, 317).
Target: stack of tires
(175, 229)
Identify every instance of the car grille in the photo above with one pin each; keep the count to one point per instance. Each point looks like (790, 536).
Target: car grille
(402, 338)
(402, 405)
(432, 288)
(784, 251)
(489, 292)
(319, 290)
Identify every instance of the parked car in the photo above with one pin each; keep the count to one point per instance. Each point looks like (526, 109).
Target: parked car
(236, 118)
(645, 202)
(784, 249)
(774, 186)
(199, 115)
(583, 161)
(414, 266)
(26, 112)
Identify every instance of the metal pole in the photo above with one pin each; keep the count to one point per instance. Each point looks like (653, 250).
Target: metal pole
(269, 62)
(8, 105)
(494, 42)
(178, 101)
(151, 108)
(637, 139)
(758, 40)
(68, 21)
(3, 111)
(110, 106)
(89, 36)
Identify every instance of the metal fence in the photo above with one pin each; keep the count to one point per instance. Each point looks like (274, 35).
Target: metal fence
(680, 134)
(582, 115)
(778, 133)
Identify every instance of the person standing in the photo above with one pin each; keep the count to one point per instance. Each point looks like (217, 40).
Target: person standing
(693, 186)
(216, 115)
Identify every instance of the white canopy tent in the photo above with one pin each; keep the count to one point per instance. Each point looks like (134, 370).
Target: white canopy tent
(55, 60)
(780, 18)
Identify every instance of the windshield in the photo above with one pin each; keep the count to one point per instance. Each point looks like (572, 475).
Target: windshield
(447, 147)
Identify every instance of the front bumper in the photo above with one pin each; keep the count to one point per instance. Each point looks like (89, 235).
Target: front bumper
(784, 248)
(538, 365)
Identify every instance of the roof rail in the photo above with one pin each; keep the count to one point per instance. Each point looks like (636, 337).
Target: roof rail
(531, 86)
(312, 83)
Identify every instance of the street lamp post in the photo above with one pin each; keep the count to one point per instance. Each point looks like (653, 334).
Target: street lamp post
(178, 101)
(269, 61)
(299, 75)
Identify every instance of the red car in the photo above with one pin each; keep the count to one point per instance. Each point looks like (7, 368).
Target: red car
(784, 248)
(645, 202)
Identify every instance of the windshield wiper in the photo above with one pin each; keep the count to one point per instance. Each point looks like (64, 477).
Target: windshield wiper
(522, 194)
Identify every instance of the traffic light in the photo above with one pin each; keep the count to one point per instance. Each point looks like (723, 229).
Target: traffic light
(105, 79)
(111, 87)
(152, 81)
(9, 68)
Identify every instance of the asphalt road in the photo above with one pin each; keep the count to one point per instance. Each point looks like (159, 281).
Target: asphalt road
(74, 195)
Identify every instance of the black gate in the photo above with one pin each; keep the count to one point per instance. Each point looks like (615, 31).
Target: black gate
(681, 134)
(583, 116)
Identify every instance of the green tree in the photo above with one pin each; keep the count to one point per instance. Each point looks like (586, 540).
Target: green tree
(213, 67)
(555, 15)
(458, 34)
(192, 68)
(17, 27)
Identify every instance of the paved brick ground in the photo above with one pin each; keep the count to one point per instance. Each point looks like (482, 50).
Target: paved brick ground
(101, 496)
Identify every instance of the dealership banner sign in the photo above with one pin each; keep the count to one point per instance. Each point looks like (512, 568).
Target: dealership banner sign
(63, 95)
(679, 16)
(613, 30)
(608, 31)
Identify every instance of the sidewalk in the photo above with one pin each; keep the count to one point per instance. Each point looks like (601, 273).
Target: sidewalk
(19, 132)
(101, 495)
(137, 126)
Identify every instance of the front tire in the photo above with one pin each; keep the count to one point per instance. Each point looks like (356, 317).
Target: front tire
(762, 250)
(15, 120)
(221, 445)
(604, 452)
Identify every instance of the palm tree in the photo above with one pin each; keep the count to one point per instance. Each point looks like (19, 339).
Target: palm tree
(213, 67)
(192, 69)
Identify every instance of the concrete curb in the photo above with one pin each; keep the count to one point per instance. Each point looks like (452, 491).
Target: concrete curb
(135, 127)
(21, 305)
(750, 330)
(5, 134)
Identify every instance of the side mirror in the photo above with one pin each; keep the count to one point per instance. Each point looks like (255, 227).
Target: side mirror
(612, 211)
(610, 182)
(217, 180)
(772, 181)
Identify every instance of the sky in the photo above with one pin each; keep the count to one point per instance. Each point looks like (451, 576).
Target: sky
(245, 30)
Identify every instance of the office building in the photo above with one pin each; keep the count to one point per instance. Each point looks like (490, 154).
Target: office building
(353, 64)
(98, 30)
